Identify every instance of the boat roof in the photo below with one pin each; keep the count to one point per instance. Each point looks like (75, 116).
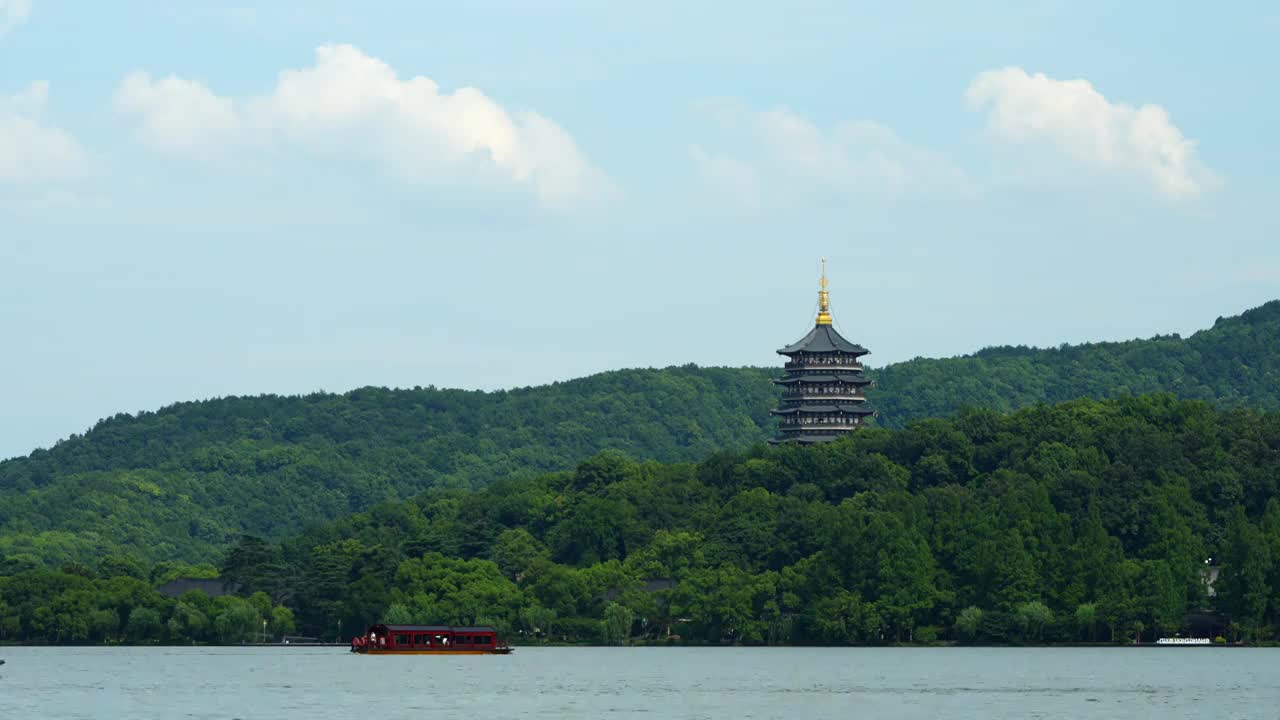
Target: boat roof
(435, 628)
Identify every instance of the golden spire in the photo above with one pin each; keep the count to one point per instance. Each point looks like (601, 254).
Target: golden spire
(824, 302)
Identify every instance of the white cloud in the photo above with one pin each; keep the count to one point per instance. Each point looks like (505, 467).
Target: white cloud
(31, 151)
(852, 157)
(31, 100)
(1079, 121)
(351, 102)
(177, 115)
(861, 155)
(13, 13)
(736, 178)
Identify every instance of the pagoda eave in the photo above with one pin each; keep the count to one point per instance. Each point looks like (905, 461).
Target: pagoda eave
(846, 409)
(846, 378)
(823, 339)
(809, 438)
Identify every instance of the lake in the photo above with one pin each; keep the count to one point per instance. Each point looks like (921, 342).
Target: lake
(799, 683)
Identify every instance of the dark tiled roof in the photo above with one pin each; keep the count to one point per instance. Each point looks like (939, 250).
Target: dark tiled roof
(805, 438)
(850, 378)
(823, 338)
(847, 408)
(212, 588)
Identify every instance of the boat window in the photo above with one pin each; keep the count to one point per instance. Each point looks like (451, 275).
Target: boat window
(422, 639)
(484, 640)
(404, 639)
(462, 639)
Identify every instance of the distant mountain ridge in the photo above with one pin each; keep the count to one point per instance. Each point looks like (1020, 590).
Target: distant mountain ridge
(1236, 363)
(185, 481)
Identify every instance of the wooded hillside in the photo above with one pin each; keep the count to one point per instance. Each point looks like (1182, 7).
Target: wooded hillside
(184, 482)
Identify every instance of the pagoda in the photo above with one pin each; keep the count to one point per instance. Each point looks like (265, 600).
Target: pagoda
(823, 394)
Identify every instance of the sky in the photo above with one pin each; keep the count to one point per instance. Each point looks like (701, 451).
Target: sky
(200, 199)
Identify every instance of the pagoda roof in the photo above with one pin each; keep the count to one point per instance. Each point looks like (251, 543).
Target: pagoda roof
(810, 438)
(823, 338)
(851, 378)
(847, 408)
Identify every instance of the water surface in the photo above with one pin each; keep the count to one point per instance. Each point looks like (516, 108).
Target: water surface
(797, 683)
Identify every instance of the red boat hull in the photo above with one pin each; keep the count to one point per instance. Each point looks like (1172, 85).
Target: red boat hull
(383, 651)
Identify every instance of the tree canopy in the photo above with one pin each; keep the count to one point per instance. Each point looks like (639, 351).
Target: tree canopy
(184, 482)
(1085, 521)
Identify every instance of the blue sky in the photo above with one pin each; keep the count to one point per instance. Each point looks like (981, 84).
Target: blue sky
(200, 198)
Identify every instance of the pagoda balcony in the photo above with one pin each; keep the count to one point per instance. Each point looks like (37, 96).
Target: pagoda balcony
(819, 427)
(820, 422)
(828, 397)
(825, 365)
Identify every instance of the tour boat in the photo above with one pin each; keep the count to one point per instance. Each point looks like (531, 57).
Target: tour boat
(429, 640)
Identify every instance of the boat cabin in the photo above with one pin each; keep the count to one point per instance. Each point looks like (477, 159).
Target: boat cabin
(430, 639)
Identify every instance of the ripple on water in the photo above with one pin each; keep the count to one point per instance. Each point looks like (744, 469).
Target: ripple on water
(682, 683)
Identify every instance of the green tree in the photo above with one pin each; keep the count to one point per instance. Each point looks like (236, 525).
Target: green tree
(616, 624)
(145, 625)
(1086, 617)
(398, 614)
(1246, 566)
(844, 619)
(1163, 597)
(537, 621)
(282, 621)
(121, 566)
(104, 625)
(188, 622)
(515, 551)
(452, 591)
(262, 603)
(1034, 617)
(969, 623)
(237, 622)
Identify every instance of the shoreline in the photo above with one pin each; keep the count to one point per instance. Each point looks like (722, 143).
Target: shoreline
(916, 646)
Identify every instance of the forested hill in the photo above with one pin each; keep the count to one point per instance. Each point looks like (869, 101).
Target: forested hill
(185, 481)
(1236, 363)
(1085, 521)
